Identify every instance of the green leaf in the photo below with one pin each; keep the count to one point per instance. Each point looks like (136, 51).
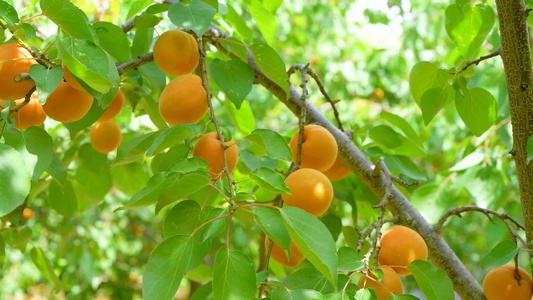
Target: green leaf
(385, 136)
(183, 187)
(499, 255)
(469, 161)
(196, 15)
(166, 267)
(432, 101)
(113, 40)
(14, 179)
(270, 180)
(233, 276)
(468, 27)
(145, 21)
(307, 278)
(283, 294)
(234, 77)
(270, 221)
(40, 261)
(265, 20)
(19, 238)
(62, 199)
(243, 119)
(237, 22)
(349, 259)
(333, 223)
(432, 281)
(8, 14)
(142, 42)
(46, 80)
(271, 64)
(404, 166)
(274, 144)
(188, 165)
(205, 292)
(171, 137)
(216, 227)
(135, 148)
(129, 178)
(366, 294)
(69, 17)
(478, 109)
(404, 126)
(424, 75)
(2, 250)
(529, 149)
(313, 239)
(57, 169)
(90, 118)
(150, 194)
(182, 219)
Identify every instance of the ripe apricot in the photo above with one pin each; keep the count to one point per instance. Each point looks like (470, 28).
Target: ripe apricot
(378, 94)
(176, 52)
(389, 284)
(401, 245)
(31, 114)
(27, 213)
(114, 107)
(280, 257)
(310, 190)
(319, 148)
(208, 148)
(70, 79)
(67, 104)
(14, 59)
(500, 284)
(183, 100)
(105, 136)
(338, 171)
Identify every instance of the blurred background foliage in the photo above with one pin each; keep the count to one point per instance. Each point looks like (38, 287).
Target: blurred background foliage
(363, 52)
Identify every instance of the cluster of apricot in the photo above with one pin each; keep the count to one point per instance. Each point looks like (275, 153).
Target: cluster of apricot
(69, 102)
(400, 246)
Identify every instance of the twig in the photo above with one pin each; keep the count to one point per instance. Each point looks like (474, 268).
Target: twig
(363, 235)
(328, 98)
(477, 61)
(302, 119)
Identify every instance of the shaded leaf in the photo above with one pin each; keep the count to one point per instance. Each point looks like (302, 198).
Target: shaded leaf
(233, 276)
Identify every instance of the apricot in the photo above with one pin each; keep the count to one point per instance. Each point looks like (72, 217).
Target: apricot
(105, 136)
(338, 171)
(501, 284)
(378, 94)
(319, 148)
(183, 100)
(27, 213)
(310, 190)
(14, 59)
(70, 79)
(114, 107)
(67, 104)
(389, 284)
(176, 52)
(280, 257)
(401, 245)
(208, 148)
(31, 114)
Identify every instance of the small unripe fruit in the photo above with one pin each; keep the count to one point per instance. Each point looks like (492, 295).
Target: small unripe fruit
(27, 213)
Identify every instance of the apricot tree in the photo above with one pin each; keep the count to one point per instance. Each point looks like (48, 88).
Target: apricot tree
(205, 101)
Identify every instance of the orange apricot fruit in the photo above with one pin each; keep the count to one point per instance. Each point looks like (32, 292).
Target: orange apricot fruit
(70, 79)
(401, 245)
(14, 59)
(176, 52)
(338, 171)
(501, 284)
(208, 148)
(319, 148)
(280, 257)
(114, 107)
(183, 100)
(105, 136)
(310, 190)
(31, 114)
(67, 104)
(389, 284)
(27, 213)
(378, 94)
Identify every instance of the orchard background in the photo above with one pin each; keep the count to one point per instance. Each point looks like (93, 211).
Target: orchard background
(413, 92)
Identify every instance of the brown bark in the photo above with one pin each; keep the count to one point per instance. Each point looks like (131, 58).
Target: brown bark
(516, 56)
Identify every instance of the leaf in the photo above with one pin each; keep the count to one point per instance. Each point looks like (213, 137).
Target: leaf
(213, 228)
(8, 14)
(205, 292)
(307, 278)
(529, 149)
(265, 20)
(2, 250)
(432, 101)
(129, 178)
(171, 137)
(432, 281)
(469, 161)
(270, 181)
(150, 194)
(237, 22)
(271, 64)
(499, 255)
(243, 119)
(113, 40)
(90, 118)
(233, 276)
(135, 148)
(385, 135)
(313, 239)
(166, 267)
(283, 294)
(404, 166)
(40, 261)
(274, 144)
(404, 126)
(478, 109)
(187, 165)
(196, 15)
(182, 219)
(333, 223)
(46, 80)
(424, 75)
(62, 199)
(234, 77)
(366, 294)
(270, 221)
(14, 179)
(57, 169)
(69, 17)
(469, 27)
(183, 187)
(349, 259)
